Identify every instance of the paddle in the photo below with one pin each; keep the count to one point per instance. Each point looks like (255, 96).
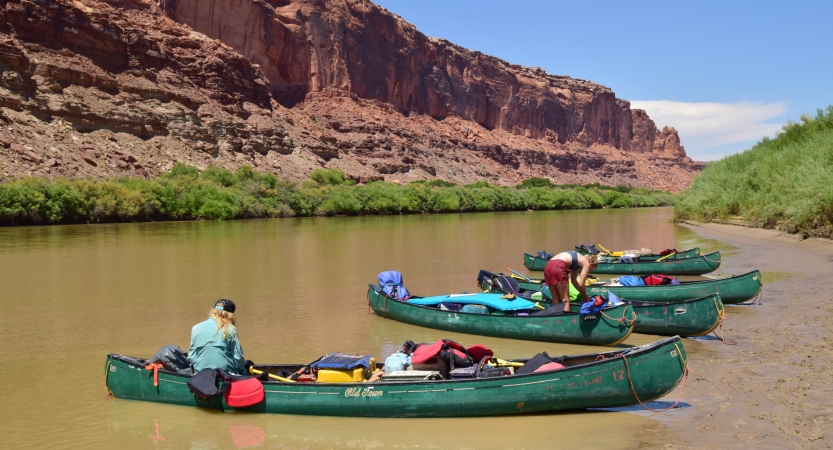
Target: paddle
(253, 371)
(523, 277)
(666, 256)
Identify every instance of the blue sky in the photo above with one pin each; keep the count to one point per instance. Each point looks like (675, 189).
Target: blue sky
(723, 73)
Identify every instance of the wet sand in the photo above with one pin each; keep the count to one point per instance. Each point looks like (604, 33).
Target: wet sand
(774, 389)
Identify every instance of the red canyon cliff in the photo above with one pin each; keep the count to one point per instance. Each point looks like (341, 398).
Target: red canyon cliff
(99, 88)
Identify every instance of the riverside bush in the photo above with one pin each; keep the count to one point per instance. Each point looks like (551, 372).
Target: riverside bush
(784, 182)
(186, 193)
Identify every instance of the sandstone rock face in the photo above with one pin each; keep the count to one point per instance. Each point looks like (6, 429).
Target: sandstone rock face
(101, 88)
(354, 45)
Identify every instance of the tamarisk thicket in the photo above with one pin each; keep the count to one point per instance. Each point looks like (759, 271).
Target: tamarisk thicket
(186, 193)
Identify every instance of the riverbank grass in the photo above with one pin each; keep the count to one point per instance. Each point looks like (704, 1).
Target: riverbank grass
(785, 182)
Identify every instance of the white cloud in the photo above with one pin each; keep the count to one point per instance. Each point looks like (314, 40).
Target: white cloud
(708, 130)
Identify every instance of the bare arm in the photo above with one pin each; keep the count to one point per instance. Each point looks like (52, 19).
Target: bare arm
(580, 283)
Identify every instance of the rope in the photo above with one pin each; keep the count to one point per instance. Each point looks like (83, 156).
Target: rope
(711, 260)
(757, 299)
(622, 320)
(682, 388)
(721, 312)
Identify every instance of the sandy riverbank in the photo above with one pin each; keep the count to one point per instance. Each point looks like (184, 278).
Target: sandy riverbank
(774, 389)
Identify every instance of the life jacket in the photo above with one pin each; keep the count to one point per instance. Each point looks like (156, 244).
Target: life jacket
(244, 391)
(390, 282)
(447, 349)
(657, 280)
(536, 362)
(239, 391)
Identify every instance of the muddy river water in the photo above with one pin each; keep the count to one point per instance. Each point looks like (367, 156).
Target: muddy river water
(71, 294)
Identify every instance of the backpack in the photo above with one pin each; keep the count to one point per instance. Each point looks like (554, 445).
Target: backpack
(391, 283)
(544, 255)
(173, 359)
(588, 249)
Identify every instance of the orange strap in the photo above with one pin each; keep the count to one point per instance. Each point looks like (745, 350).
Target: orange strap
(155, 368)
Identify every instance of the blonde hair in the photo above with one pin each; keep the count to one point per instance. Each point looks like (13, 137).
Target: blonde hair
(593, 259)
(226, 321)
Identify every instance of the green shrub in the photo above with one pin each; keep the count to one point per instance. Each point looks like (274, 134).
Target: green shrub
(328, 177)
(186, 193)
(536, 182)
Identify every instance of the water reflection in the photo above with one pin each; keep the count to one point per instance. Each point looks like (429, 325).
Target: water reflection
(177, 427)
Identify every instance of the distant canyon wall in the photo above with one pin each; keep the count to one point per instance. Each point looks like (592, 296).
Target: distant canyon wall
(100, 88)
(305, 46)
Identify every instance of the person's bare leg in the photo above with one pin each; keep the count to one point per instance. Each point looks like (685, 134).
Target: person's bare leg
(565, 296)
(559, 293)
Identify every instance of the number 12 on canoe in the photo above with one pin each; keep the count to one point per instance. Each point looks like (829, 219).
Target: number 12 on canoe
(618, 375)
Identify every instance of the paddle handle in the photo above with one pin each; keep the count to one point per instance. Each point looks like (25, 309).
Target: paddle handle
(516, 273)
(252, 370)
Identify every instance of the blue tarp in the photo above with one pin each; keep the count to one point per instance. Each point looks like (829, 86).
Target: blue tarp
(490, 300)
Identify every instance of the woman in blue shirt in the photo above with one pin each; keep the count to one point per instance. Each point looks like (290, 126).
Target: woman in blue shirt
(214, 342)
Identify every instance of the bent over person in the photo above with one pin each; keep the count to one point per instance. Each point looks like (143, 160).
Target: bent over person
(568, 267)
(214, 342)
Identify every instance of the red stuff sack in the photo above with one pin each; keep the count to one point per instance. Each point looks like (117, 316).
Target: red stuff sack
(657, 280)
(245, 392)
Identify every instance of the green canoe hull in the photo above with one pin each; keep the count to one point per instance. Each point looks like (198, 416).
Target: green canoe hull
(690, 253)
(569, 328)
(698, 265)
(532, 262)
(654, 370)
(688, 317)
(732, 290)
(693, 317)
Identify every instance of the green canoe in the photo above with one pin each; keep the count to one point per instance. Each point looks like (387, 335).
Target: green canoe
(673, 266)
(610, 328)
(535, 262)
(693, 317)
(689, 317)
(693, 252)
(732, 290)
(610, 379)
